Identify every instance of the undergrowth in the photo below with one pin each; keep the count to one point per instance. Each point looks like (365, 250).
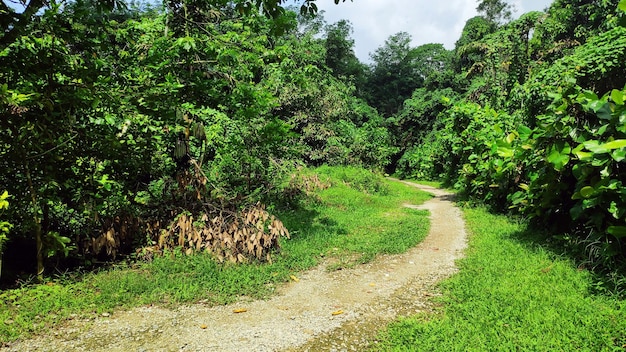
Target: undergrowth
(358, 217)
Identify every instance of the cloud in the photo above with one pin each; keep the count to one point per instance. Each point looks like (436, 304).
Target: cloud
(427, 21)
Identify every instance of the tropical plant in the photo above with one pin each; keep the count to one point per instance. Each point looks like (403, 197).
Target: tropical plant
(5, 226)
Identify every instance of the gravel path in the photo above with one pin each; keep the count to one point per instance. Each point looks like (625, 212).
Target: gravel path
(323, 311)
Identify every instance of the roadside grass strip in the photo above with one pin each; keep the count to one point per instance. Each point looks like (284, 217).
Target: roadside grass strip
(512, 294)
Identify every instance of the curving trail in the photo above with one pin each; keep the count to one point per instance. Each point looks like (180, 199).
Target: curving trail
(299, 317)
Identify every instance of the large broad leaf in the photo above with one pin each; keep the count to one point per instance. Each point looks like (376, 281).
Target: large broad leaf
(595, 147)
(616, 144)
(559, 155)
(524, 132)
(617, 231)
(619, 155)
(510, 138)
(583, 156)
(617, 96)
(587, 191)
(505, 152)
(622, 5)
(604, 112)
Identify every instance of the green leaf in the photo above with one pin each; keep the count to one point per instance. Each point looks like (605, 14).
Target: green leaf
(616, 144)
(614, 210)
(617, 96)
(579, 171)
(595, 147)
(619, 155)
(576, 211)
(622, 5)
(505, 152)
(110, 119)
(510, 138)
(587, 191)
(617, 231)
(524, 132)
(583, 156)
(559, 155)
(3, 200)
(591, 202)
(604, 112)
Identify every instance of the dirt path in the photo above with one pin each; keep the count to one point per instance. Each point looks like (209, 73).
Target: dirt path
(300, 317)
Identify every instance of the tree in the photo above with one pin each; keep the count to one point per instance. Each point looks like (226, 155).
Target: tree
(92, 133)
(113, 121)
(340, 57)
(14, 23)
(433, 63)
(496, 11)
(394, 74)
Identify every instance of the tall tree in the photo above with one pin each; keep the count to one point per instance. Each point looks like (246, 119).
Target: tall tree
(496, 11)
(340, 57)
(394, 74)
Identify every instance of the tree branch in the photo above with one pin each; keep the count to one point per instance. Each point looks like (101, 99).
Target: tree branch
(15, 27)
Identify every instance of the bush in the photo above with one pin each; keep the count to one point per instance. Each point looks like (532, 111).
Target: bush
(356, 178)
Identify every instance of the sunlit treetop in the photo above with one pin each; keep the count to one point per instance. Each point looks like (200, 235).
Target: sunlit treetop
(15, 15)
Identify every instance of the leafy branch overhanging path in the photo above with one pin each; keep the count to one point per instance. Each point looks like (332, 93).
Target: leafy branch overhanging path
(322, 311)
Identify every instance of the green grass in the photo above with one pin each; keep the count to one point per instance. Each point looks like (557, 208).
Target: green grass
(353, 226)
(512, 294)
(360, 216)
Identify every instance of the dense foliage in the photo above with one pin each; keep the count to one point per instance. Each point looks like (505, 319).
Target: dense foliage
(539, 127)
(120, 123)
(117, 124)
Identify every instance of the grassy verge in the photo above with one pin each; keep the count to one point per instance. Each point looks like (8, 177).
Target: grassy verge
(360, 216)
(512, 294)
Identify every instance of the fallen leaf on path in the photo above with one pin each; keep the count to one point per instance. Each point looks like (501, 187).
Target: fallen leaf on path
(294, 278)
(337, 312)
(203, 326)
(240, 310)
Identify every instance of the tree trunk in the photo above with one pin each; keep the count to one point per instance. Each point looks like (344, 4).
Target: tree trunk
(37, 223)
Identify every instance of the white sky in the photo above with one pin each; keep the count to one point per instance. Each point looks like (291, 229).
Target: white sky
(427, 21)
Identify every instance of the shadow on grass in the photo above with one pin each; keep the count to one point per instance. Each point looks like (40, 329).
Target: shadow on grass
(607, 279)
(307, 221)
